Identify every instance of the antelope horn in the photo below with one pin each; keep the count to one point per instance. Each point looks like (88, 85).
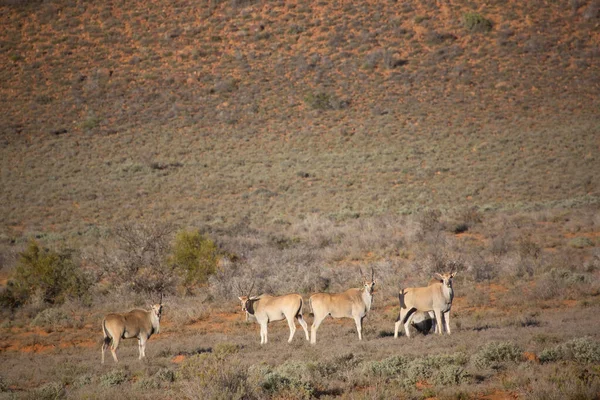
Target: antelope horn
(372, 274)
(252, 287)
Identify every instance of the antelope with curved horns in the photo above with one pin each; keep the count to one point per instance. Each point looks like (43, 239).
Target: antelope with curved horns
(140, 324)
(353, 303)
(435, 298)
(266, 308)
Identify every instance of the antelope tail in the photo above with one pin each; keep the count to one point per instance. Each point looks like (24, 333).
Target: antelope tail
(403, 305)
(401, 299)
(107, 339)
(299, 312)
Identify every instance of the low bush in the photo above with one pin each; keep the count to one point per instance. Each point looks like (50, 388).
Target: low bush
(475, 22)
(195, 255)
(581, 242)
(114, 377)
(494, 354)
(296, 378)
(388, 367)
(443, 369)
(215, 376)
(49, 391)
(54, 276)
(582, 350)
(52, 318)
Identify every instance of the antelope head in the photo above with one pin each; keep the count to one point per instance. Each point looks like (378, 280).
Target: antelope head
(446, 279)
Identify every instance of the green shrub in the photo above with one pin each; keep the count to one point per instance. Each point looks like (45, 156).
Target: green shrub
(223, 350)
(581, 242)
(114, 377)
(318, 101)
(445, 368)
(389, 367)
(195, 255)
(53, 275)
(165, 375)
(494, 353)
(582, 350)
(450, 375)
(325, 101)
(475, 22)
(90, 123)
(49, 391)
(291, 377)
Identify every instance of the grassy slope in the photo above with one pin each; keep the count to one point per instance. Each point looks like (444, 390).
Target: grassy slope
(195, 112)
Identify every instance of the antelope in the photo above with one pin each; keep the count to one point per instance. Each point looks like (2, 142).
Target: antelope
(433, 299)
(266, 308)
(140, 324)
(353, 303)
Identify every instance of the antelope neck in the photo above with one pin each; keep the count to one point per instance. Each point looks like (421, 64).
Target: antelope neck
(250, 306)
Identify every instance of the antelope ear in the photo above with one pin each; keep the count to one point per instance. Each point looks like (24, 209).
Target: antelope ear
(438, 276)
(452, 275)
(239, 297)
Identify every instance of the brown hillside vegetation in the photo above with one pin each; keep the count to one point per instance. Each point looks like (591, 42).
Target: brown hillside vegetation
(268, 110)
(197, 149)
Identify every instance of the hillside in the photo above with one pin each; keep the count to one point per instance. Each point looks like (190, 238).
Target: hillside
(220, 112)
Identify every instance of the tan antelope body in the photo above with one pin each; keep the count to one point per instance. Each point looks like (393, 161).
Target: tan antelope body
(266, 308)
(353, 303)
(435, 298)
(140, 324)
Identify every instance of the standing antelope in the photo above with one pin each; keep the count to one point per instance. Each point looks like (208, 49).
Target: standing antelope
(266, 308)
(140, 324)
(435, 298)
(353, 303)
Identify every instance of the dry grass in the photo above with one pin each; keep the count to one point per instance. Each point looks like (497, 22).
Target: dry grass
(509, 330)
(309, 140)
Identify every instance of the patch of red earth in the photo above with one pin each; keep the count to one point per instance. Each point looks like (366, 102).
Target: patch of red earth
(420, 385)
(79, 343)
(590, 235)
(37, 348)
(570, 303)
(472, 236)
(178, 359)
(531, 357)
(499, 395)
(220, 322)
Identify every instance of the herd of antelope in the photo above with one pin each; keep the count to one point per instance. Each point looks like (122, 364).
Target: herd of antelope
(433, 301)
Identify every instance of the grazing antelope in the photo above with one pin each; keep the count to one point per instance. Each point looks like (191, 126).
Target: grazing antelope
(353, 303)
(140, 324)
(266, 308)
(435, 298)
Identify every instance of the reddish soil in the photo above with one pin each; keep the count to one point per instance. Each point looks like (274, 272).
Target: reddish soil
(590, 235)
(531, 357)
(499, 395)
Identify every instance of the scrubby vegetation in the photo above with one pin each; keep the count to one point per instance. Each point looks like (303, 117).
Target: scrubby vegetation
(186, 151)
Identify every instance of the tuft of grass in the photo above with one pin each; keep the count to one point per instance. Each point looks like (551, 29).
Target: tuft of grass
(90, 123)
